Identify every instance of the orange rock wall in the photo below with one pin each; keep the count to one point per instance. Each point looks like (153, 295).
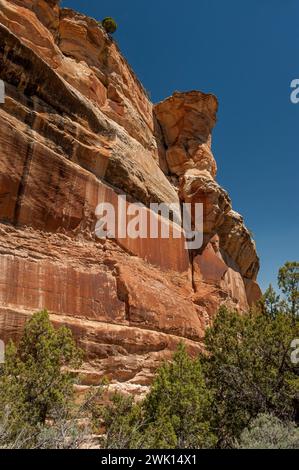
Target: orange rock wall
(78, 129)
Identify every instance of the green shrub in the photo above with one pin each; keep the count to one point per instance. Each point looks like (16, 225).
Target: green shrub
(34, 382)
(180, 397)
(268, 432)
(124, 424)
(109, 25)
(175, 414)
(248, 368)
(288, 281)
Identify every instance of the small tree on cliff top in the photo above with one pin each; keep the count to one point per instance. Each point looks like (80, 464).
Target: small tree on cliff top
(109, 25)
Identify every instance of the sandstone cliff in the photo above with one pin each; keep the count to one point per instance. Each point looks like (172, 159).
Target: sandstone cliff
(76, 129)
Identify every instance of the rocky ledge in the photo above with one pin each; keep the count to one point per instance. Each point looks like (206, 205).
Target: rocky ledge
(77, 129)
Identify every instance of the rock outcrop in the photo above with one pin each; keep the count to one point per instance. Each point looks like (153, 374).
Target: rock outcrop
(187, 120)
(78, 129)
(228, 256)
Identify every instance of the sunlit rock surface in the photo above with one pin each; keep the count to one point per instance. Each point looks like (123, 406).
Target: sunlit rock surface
(77, 129)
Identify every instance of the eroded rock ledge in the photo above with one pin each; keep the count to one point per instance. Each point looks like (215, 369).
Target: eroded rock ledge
(187, 121)
(76, 129)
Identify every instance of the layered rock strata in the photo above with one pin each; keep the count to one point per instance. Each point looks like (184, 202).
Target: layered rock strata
(77, 129)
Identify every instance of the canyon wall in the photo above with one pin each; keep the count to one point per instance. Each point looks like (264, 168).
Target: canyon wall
(76, 129)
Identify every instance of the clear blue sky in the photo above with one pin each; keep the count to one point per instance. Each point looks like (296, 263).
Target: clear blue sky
(247, 53)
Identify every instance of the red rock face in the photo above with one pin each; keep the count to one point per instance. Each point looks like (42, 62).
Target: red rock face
(76, 130)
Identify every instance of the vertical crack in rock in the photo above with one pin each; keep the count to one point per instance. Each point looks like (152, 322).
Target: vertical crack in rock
(76, 129)
(23, 181)
(123, 294)
(121, 288)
